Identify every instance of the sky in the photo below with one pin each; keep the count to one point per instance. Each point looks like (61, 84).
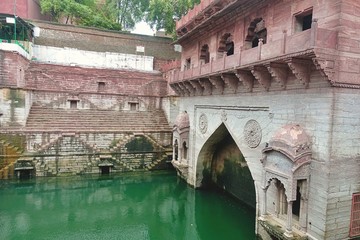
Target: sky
(143, 28)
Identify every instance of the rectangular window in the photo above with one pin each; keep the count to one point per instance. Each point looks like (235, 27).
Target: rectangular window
(188, 63)
(303, 21)
(73, 104)
(355, 216)
(101, 86)
(133, 106)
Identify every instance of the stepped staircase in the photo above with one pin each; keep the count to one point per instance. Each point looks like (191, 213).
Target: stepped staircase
(47, 119)
(120, 147)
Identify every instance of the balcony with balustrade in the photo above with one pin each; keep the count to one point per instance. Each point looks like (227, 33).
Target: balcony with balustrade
(292, 54)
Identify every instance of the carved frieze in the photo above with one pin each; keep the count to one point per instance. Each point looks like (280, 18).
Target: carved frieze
(252, 133)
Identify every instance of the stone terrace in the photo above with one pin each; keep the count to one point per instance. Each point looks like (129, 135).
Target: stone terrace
(49, 77)
(43, 119)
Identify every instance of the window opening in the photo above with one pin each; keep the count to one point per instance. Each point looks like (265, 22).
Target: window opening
(133, 106)
(187, 63)
(205, 54)
(281, 207)
(355, 216)
(73, 104)
(296, 203)
(176, 150)
(303, 21)
(185, 150)
(101, 86)
(226, 45)
(229, 48)
(256, 31)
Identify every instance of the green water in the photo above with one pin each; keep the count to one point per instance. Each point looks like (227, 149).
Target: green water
(156, 206)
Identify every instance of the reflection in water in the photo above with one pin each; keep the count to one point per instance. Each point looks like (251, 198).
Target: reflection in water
(130, 206)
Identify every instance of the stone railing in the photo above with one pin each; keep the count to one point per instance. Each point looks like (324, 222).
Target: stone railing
(288, 45)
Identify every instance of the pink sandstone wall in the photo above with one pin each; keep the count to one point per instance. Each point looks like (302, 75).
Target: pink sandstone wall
(278, 16)
(28, 9)
(12, 70)
(48, 77)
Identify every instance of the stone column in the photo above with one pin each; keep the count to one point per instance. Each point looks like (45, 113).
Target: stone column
(288, 233)
(263, 206)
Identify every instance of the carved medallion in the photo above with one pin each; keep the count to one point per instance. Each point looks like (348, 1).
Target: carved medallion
(252, 133)
(203, 123)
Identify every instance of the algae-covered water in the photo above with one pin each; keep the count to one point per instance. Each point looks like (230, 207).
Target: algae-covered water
(141, 206)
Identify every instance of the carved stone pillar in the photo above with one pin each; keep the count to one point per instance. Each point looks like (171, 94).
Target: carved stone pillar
(264, 207)
(288, 233)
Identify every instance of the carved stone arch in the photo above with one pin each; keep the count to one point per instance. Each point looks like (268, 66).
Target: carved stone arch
(256, 31)
(226, 44)
(205, 54)
(220, 161)
(287, 157)
(181, 135)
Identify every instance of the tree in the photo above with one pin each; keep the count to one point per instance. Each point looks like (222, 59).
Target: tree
(81, 12)
(127, 12)
(163, 13)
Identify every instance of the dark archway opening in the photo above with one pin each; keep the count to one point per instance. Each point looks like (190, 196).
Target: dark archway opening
(24, 174)
(205, 54)
(105, 170)
(256, 31)
(225, 168)
(296, 204)
(229, 48)
(223, 172)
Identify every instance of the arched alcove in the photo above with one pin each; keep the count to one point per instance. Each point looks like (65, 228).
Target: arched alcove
(221, 164)
(205, 54)
(256, 31)
(287, 158)
(226, 45)
(180, 144)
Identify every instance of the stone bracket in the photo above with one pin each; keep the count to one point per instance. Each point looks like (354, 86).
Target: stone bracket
(230, 80)
(185, 89)
(177, 89)
(326, 68)
(263, 76)
(217, 82)
(206, 84)
(301, 68)
(246, 78)
(279, 72)
(197, 86)
(190, 88)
